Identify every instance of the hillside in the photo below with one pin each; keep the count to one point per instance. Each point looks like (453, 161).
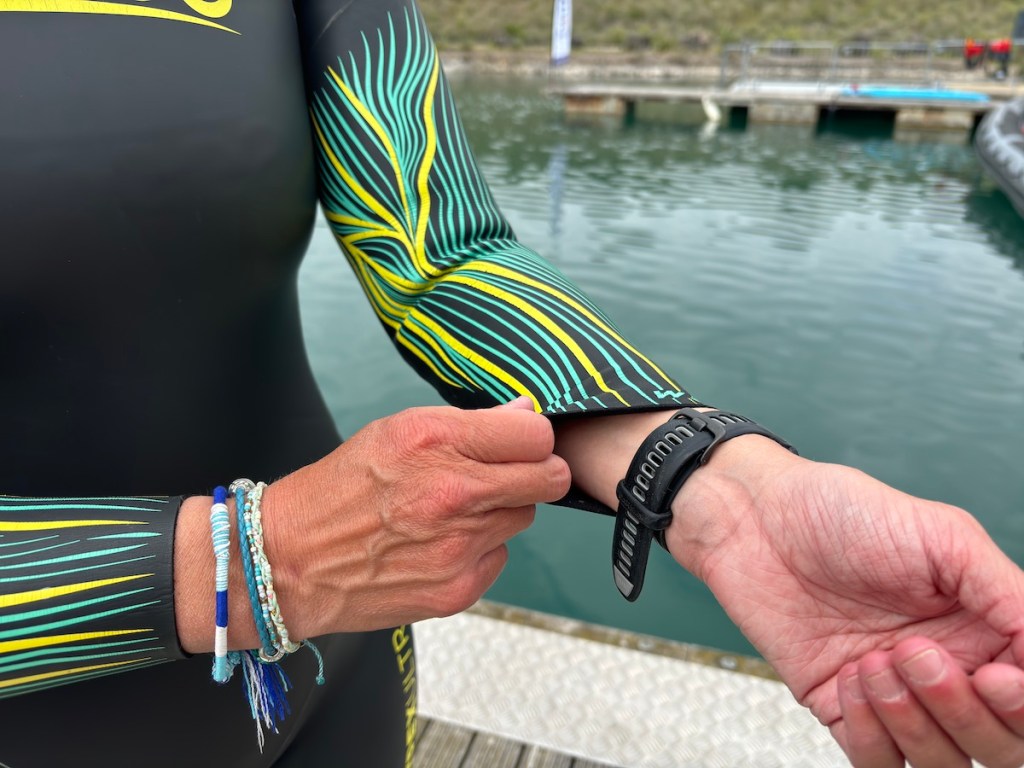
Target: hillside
(704, 26)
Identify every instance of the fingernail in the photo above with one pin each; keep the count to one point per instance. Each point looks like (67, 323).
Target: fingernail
(925, 668)
(520, 402)
(854, 689)
(1008, 698)
(886, 685)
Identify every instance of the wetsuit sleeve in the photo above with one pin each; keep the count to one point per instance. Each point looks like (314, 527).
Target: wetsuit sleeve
(85, 589)
(476, 313)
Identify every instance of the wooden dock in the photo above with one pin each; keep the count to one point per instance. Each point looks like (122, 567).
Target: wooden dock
(444, 745)
(778, 102)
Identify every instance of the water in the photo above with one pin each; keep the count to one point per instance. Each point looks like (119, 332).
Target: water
(862, 296)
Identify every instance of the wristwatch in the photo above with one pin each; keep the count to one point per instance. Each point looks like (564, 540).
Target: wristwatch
(667, 457)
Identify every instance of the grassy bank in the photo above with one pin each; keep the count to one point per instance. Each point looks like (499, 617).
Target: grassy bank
(705, 25)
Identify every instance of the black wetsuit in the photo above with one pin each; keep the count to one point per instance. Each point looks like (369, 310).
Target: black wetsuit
(159, 166)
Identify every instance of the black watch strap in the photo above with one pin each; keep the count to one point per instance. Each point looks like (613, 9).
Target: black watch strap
(667, 457)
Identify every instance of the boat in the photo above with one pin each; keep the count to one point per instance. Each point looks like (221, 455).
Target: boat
(999, 144)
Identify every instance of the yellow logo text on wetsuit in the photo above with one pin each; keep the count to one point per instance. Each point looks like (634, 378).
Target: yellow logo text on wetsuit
(190, 11)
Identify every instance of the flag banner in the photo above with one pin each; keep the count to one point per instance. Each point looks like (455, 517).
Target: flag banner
(561, 32)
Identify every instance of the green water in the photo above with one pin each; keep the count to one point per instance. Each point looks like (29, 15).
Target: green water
(863, 296)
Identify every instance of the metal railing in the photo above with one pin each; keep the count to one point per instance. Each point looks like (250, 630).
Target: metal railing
(927, 62)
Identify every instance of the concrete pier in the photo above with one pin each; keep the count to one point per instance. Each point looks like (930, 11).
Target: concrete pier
(779, 102)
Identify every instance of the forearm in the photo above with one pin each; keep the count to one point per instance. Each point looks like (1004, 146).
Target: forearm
(194, 592)
(86, 589)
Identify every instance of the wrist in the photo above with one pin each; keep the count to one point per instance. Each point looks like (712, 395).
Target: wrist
(194, 595)
(722, 495)
(598, 449)
(284, 520)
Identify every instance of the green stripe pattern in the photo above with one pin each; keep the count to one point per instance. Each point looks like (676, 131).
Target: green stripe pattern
(482, 317)
(85, 589)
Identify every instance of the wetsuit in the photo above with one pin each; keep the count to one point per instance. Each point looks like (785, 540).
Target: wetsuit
(159, 166)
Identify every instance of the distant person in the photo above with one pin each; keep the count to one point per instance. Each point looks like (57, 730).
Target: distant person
(159, 168)
(974, 53)
(999, 56)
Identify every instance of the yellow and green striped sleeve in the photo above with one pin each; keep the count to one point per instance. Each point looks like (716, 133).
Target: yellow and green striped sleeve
(479, 315)
(85, 589)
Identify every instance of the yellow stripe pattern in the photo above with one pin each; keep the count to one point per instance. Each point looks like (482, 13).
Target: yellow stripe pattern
(66, 673)
(98, 7)
(480, 316)
(81, 580)
(11, 526)
(50, 593)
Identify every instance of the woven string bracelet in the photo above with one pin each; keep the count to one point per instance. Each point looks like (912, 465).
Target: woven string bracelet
(220, 526)
(240, 488)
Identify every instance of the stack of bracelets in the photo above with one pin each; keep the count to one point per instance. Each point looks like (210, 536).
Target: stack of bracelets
(265, 682)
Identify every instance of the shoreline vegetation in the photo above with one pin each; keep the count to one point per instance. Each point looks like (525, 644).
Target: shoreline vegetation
(690, 28)
(685, 40)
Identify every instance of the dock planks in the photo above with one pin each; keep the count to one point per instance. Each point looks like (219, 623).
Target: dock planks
(443, 745)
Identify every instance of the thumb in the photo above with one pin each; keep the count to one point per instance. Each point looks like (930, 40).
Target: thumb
(521, 403)
(991, 585)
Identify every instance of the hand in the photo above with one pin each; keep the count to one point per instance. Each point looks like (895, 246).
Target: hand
(408, 519)
(896, 620)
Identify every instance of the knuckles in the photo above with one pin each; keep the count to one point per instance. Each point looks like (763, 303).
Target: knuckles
(453, 553)
(418, 431)
(444, 496)
(466, 587)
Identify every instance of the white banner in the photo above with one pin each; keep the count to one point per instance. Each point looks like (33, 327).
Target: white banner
(561, 32)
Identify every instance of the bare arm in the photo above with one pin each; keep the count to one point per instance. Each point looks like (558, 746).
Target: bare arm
(895, 620)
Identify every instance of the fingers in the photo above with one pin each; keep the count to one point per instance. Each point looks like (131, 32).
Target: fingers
(522, 403)
(511, 432)
(473, 461)
(465, 590)
(478, 490)
(498, 526)
(970, 565)
(916, 702)
(1001, 686)
(944, 689)
(467, 564)
(861, 733)
(911, 730)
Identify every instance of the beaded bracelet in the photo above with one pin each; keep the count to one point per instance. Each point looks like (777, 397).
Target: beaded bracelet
(270, 608)
(240, 488)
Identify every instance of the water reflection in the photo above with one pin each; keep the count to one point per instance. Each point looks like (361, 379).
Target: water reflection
(991, 211)
(557, 167)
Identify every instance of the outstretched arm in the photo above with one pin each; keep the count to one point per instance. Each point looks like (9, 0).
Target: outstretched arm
(897, 621)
